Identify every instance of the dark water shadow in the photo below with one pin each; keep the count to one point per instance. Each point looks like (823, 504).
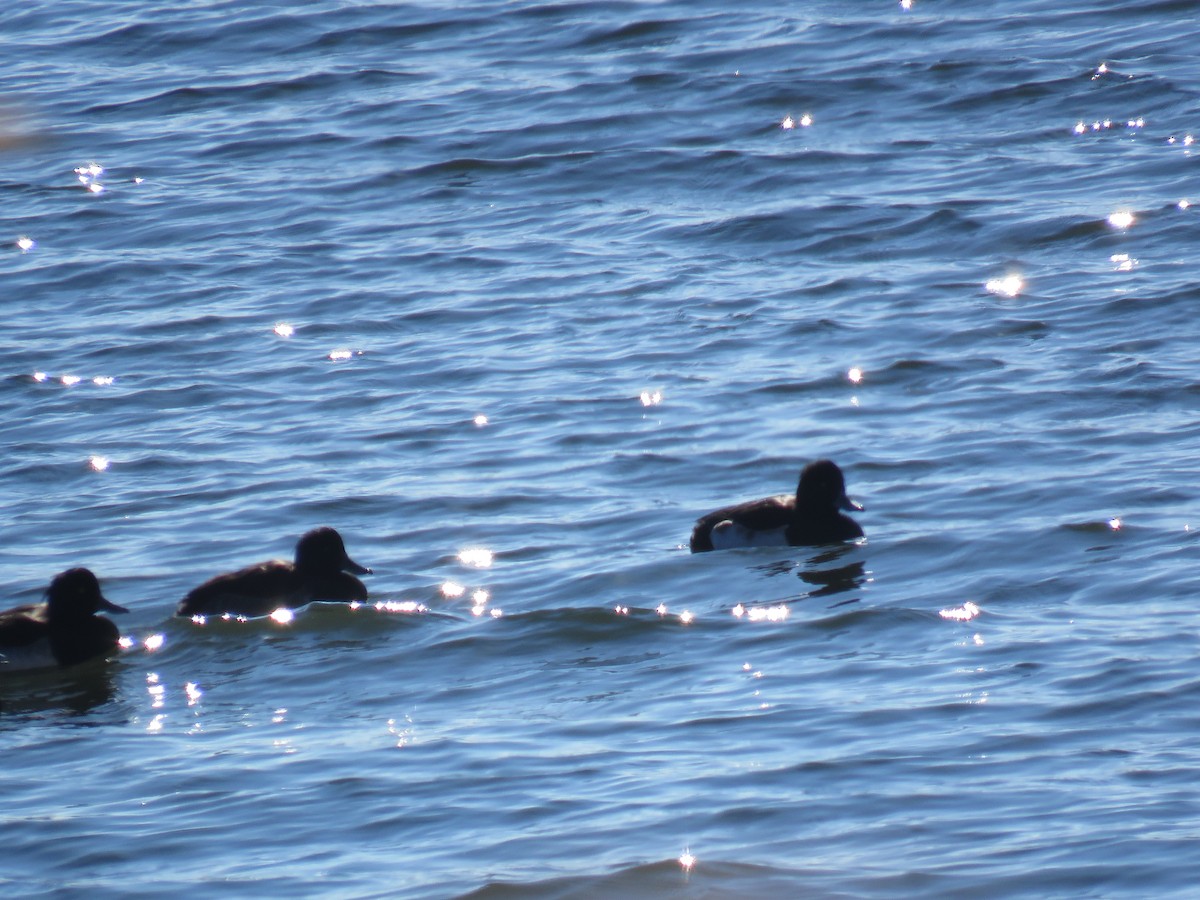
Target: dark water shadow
(72, 692)
(817, 571)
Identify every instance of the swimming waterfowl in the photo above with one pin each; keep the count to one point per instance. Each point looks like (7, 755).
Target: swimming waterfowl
(320, 572)
(812, 516)
(64, 630)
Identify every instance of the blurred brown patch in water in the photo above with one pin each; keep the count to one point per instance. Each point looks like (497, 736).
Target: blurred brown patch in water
(19, 129)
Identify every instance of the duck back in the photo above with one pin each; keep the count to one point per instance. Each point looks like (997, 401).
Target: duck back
(256, 590)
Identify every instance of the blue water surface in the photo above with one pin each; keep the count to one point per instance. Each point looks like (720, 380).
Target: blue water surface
(510, 293)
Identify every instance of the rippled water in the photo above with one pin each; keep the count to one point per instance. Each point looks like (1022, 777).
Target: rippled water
(510, 293)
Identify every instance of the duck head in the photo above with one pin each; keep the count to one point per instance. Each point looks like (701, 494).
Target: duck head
(322, 550)
(822, 486)
(75, 594)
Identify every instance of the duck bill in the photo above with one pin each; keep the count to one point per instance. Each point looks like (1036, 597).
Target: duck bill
(850, 505)
(350, 565)
(108, 606)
